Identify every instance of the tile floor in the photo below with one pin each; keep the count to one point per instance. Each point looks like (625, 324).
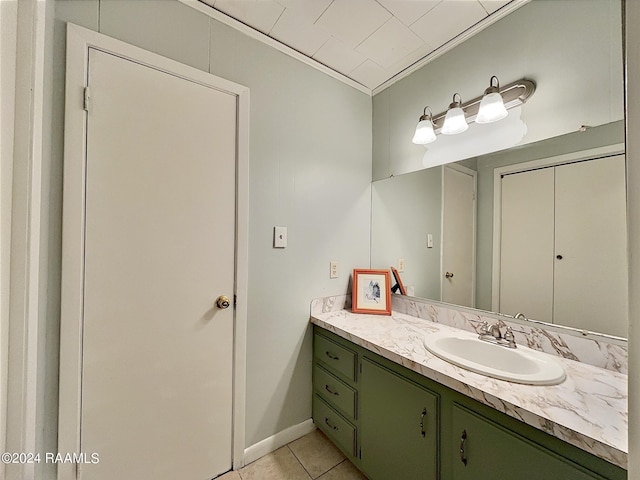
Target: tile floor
(310, 457)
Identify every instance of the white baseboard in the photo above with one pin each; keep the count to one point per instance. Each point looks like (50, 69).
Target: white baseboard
(278, 440)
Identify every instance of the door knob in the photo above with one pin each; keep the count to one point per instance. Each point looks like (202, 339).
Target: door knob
(449, 275)
(223, 302)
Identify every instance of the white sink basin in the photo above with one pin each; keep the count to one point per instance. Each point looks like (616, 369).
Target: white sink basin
(520, 365)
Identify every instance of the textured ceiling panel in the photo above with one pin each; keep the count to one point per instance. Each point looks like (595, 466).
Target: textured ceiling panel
(300, 30)
(368, 41)
(259, 14)
(353, 21)
(390, 43)
(338, 56)
(459, 15)
(408, 11)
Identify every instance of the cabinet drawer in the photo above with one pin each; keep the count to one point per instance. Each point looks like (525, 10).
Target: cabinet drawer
(334, 425)
(337, 393)
(338, 358)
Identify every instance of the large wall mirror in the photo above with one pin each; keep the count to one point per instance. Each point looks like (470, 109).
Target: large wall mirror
(538, 228)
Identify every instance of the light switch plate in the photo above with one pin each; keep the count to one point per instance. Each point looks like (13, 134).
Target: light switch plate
(429, 240)
(280, 237)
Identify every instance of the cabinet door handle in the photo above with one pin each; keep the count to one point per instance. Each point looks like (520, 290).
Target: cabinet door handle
(463, 454)
(331, 356)
(328, 389)
(424, 413)
(326, 420)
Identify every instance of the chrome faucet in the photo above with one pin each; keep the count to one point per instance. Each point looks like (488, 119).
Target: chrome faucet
(491, 333)
(494, 330)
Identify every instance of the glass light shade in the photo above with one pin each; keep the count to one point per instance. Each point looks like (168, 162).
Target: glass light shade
(424, 133)
(454, 122)
(491, 108)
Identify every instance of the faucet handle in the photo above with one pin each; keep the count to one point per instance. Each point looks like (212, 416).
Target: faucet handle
(484, 328)
(510, 337)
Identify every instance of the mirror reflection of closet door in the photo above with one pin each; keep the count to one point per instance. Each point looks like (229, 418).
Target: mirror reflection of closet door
(526, 253)
(590, 273)
(563, 245)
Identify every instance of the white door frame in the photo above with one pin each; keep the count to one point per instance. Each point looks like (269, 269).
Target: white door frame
(24, 43)
(592, 153)
(79, 41)
(474, 174)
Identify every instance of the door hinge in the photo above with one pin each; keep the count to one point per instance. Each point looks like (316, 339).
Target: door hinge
(87, 96)
(235, 300)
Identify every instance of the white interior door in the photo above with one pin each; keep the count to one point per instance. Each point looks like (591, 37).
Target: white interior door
(458, 236)
(526, 244)
(160, 222)
(591, 246)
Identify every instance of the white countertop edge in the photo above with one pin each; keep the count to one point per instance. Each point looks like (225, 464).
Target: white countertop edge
(593, 420)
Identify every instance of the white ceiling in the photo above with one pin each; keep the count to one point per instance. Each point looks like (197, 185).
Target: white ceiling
(368, 41)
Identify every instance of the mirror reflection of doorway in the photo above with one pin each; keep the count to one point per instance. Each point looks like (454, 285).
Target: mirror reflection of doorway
(458, 235)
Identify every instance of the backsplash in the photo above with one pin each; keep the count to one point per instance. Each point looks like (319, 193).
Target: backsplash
(596, 352)
(330, 304)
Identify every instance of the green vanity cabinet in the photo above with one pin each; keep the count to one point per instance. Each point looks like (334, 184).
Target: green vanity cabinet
(398, 426)
(485, 450)
(376, 412)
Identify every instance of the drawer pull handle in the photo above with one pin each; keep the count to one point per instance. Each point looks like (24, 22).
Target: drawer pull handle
(463, 454)
(328, 389)
(331, 356)
(326, 420)
(424, 413)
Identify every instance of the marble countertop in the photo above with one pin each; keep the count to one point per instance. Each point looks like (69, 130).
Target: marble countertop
(588, 409)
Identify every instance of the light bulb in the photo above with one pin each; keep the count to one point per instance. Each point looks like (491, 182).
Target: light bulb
(454, 121)
(424, 130)
(492, 106)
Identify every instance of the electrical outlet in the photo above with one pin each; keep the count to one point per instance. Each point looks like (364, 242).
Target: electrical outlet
(333, 270)
(279, 237)
(401, 264)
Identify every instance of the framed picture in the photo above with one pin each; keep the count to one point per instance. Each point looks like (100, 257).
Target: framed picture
(399, 285)
(371, 291)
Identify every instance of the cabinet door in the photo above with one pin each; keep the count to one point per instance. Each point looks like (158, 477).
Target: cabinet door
(485, 450)
(398, 425)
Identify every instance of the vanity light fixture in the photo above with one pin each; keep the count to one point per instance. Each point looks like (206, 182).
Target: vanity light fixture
(424, 130)
(492, 106)
(461, 114)
(455, 121)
